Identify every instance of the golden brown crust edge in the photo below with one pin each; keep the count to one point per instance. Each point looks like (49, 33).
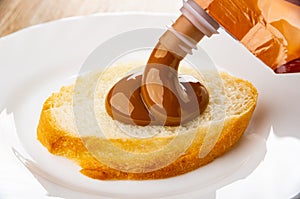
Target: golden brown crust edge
(186, 163)
(73, 148)
(61, 143)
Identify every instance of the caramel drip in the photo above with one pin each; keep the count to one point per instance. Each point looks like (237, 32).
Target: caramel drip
(159, 96)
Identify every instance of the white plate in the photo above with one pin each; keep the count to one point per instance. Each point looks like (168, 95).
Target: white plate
(37, 61)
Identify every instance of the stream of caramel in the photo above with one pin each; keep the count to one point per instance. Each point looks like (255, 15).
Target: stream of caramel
(159, 95)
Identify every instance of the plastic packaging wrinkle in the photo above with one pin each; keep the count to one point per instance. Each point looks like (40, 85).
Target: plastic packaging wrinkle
(269, 29)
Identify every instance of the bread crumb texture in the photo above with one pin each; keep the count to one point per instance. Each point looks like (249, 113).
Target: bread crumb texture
(74, 124)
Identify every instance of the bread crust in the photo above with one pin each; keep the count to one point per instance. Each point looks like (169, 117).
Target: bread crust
(62, 143)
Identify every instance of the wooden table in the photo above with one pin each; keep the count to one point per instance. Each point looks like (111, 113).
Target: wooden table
(18, 14)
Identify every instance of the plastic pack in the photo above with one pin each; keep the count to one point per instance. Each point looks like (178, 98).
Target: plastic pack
(270, 29)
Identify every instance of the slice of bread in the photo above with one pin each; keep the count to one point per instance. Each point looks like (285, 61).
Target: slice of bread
(74, 124)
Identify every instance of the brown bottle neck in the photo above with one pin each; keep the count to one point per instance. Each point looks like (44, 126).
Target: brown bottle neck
(168, 51)
(185, 27)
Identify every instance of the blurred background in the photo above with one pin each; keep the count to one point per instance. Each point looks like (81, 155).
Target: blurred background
(18, 14)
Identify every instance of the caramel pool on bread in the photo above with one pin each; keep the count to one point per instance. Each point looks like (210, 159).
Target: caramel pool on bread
(159, 96)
